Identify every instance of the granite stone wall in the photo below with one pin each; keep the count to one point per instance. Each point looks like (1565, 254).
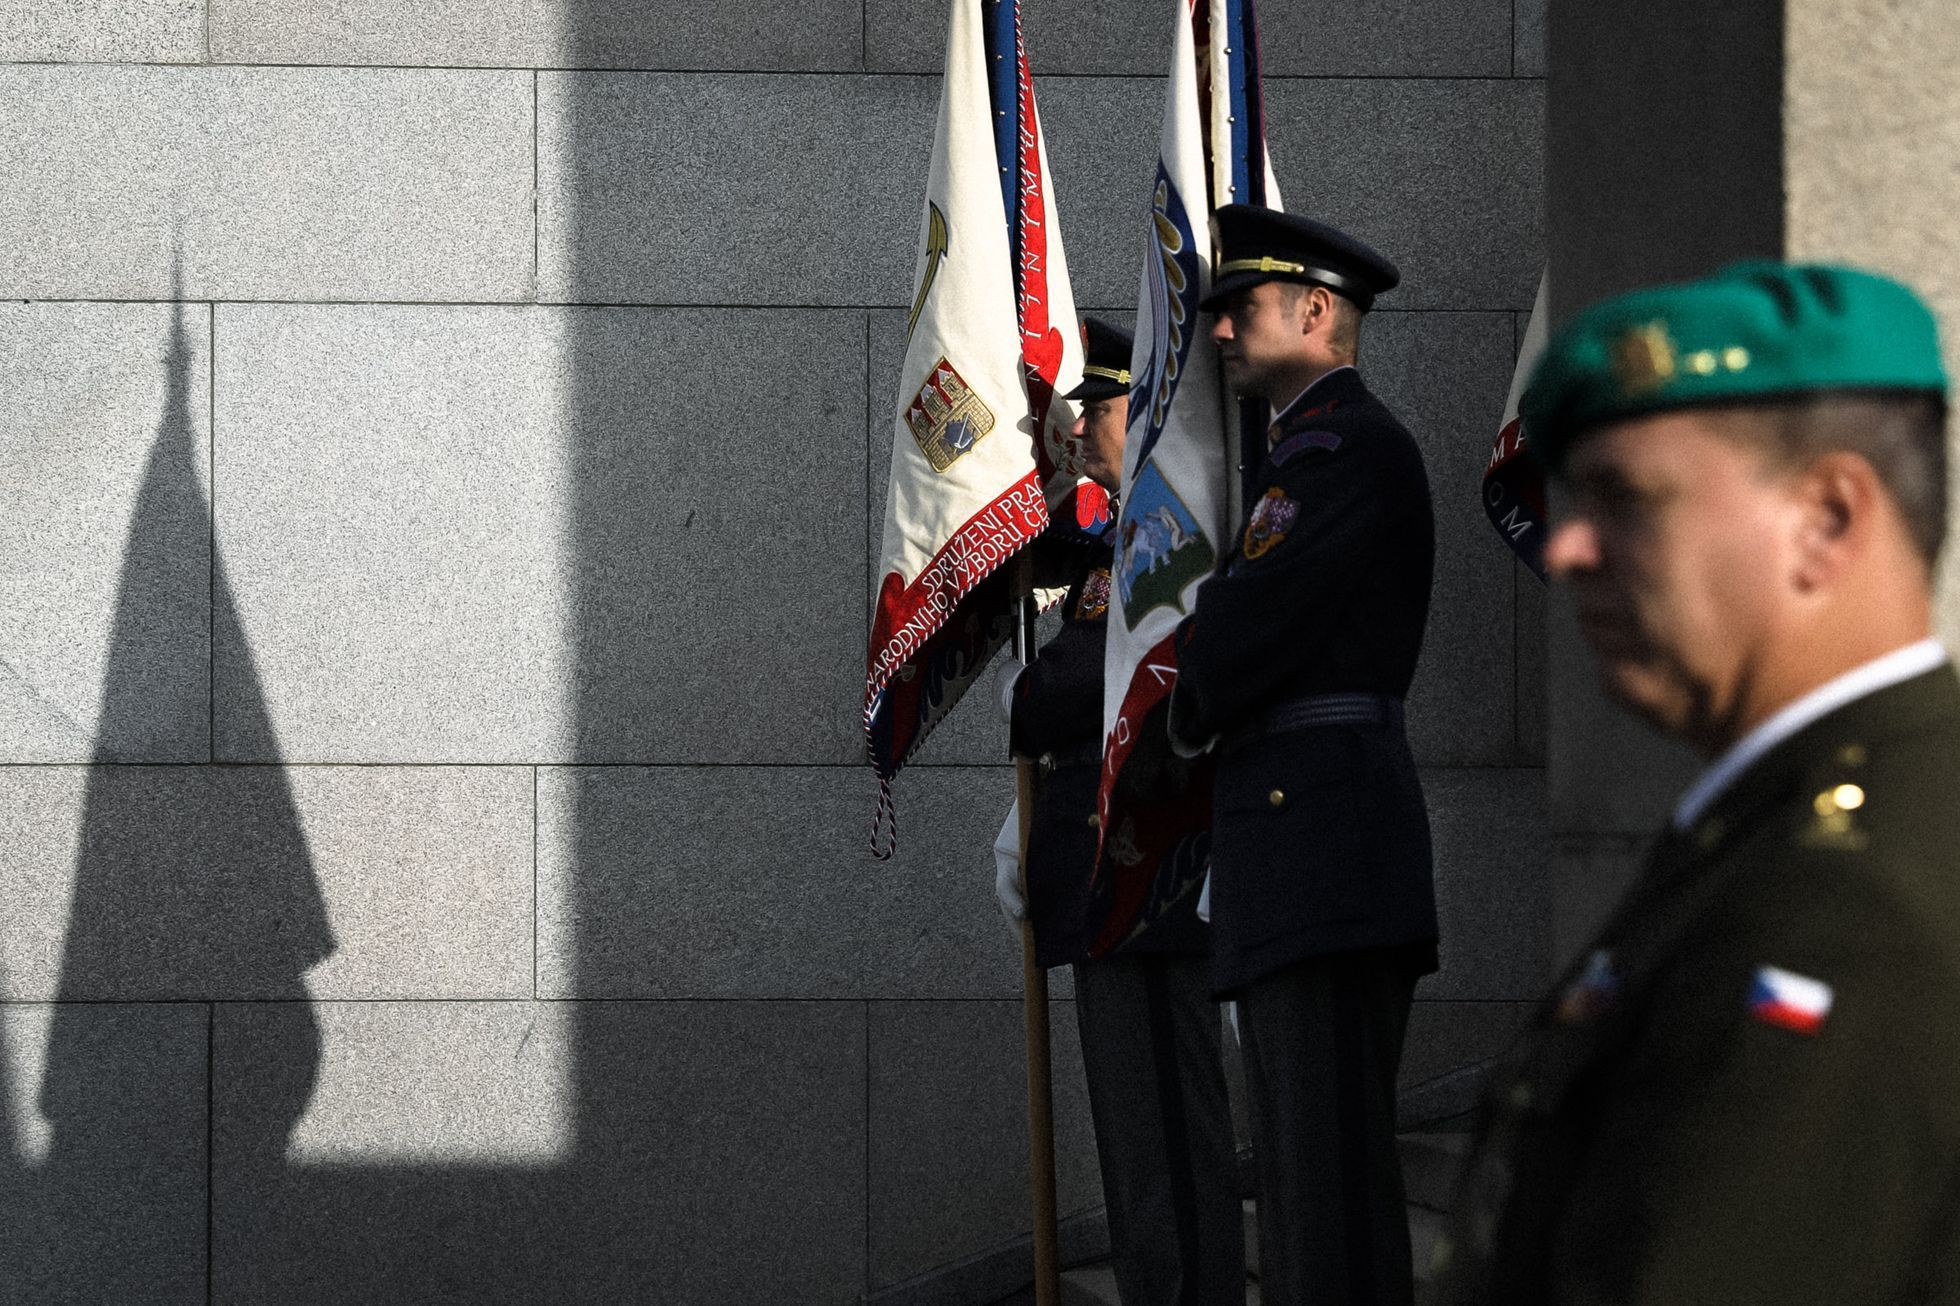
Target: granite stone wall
(443, 450)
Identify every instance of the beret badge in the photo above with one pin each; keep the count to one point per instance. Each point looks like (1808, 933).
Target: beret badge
(1644, 359)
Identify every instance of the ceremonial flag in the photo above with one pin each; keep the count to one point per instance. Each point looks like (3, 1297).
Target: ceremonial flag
(1179, 490)
(978, 435)
(1514, 485)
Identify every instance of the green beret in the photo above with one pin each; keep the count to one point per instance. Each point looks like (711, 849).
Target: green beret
(1756, 330)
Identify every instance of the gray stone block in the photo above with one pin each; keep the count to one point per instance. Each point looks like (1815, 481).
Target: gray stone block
(1450, 1036)
(1608, 773)
(1530, 38)
(1387, 38)
(170, 883)
(1493, 897)
(949, 1142)
(657, 34)
(105, 553)
(489, 534)
(1589, 877)
(1444, 177)
(1445, 375)
(731, 189)
(1081, 36)
(1532, 600)
(738, 882)
(691, 1153)
(1102, 157)
(102, 31)
(1371, 38)
(265, 183)
(103, 1187)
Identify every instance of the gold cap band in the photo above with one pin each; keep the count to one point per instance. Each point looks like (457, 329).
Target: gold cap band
(1261, 264)
(1348, 286)
(1121, 374)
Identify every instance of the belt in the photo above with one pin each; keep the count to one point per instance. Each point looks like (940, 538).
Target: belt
(1317, 710)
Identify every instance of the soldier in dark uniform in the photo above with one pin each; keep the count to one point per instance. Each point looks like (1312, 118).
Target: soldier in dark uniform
(1747, 1090)
(1294, 666)
(1150, 1032)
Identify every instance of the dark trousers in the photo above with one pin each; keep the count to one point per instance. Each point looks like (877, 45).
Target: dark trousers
(1323, 1042)
(1150, 1052)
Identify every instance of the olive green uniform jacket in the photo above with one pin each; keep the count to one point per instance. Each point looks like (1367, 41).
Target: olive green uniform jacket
(1666, 1134)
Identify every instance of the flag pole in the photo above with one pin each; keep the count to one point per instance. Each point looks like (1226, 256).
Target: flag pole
(1034, 1002)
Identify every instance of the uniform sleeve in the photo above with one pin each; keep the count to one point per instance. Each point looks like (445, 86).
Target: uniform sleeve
(1742, 1161)
(1058, 700)
(1252, 621)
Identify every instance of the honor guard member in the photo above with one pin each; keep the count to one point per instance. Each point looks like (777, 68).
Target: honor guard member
(1294, 665)
(1150, 1032)
(1747, 1090)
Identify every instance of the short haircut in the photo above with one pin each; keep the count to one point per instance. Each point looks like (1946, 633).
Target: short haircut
(1901, 433)
(1346, 336)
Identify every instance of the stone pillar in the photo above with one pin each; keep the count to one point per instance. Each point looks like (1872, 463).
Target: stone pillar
(1681, 136)
(1871, 156)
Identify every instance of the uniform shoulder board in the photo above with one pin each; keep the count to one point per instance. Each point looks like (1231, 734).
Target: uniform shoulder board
(1301, 441)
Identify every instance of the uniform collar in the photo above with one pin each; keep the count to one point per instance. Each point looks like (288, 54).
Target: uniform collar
(1893, 668)
(1323, 386)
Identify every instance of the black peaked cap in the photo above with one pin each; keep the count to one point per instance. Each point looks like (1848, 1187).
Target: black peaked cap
(1105, 361)
(1257, 245)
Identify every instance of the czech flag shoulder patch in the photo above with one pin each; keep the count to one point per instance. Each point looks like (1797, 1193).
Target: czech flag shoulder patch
(1790, 1001)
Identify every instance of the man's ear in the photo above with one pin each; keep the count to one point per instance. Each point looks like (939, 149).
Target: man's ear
(1839, 500)
(1319, 304)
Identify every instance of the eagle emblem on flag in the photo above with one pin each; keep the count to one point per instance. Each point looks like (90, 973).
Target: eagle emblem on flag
(946, 417)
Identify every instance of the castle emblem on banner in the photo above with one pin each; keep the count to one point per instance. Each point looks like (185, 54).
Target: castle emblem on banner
(946, 417)
(1161, 550)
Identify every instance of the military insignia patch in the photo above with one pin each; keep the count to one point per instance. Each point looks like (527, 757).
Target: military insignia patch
(1094, 603)
(1272, 517)
(946, 417)
(1159, 548)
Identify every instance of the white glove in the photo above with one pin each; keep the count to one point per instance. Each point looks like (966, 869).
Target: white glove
(1004, 681)
(1007, 868)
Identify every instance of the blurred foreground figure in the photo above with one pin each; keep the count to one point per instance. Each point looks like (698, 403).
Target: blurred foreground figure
(1748, 1089)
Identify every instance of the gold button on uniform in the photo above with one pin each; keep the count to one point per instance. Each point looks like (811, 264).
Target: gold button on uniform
(1095, 821)
(1277, 798)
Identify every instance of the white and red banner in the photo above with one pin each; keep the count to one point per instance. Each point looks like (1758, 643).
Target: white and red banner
(1180, 489)
(1514, 485)
(978, 441)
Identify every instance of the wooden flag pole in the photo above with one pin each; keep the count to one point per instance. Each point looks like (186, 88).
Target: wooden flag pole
(1034, 1002)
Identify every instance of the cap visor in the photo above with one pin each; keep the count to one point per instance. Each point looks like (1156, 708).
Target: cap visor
(1231, 284)
(1097, 387)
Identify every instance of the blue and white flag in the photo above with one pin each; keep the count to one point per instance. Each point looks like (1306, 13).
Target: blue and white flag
(1180, 490)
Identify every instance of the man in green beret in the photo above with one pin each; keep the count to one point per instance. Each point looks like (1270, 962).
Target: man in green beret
(1748, 1088)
